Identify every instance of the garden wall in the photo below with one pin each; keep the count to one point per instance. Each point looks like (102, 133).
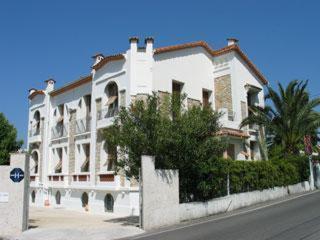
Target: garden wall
(194, 210)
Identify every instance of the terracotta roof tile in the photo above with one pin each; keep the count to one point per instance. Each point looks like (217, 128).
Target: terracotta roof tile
(35, 93)
(107, 59)
(237, 49)
(71, 85)
(183, 46)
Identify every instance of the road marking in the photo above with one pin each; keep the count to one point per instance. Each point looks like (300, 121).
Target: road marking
(224, 217)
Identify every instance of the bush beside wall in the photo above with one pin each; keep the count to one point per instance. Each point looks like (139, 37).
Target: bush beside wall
(247, 176)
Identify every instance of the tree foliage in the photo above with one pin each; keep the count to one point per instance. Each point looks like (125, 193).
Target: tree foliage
(179, 139)
(8, 142)
(289, 118)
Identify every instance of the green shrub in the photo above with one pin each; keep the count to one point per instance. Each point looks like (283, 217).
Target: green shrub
(247, 176)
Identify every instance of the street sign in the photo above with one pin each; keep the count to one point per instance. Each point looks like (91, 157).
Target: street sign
(16, 175)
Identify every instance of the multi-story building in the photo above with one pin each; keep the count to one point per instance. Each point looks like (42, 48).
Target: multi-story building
(71, 164)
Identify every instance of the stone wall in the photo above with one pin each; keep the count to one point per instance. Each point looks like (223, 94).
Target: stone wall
(223, 92)
(98, 154)
(72, 146)
(14, 197)
(160, 195)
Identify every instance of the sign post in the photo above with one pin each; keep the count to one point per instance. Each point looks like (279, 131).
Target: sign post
(16, 175)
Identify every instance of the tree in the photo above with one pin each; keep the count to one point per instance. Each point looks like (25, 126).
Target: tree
(179, 139)
(8, 142)
(291, 116)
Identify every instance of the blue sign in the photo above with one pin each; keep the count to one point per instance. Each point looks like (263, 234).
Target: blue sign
(17, 175)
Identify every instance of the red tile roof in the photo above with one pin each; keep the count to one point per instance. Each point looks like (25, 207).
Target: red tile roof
(72, 85)
(35, 93)
(107, 59)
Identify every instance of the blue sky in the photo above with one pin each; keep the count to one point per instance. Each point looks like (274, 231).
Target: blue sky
(42, 39)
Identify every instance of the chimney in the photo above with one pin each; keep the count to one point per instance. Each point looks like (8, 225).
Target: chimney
(97, 58)
(134, 43)
(32, 90)
(50, 84)
(232, 41)
(149, 44)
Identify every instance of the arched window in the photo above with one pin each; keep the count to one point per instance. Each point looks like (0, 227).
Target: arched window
(36, 123)
(33, 197)
(35, 163)
(58, 198)
(113, 99)
(108, 203)
(85, 199)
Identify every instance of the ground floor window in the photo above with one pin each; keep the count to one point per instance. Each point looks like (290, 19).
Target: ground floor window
(85, 199)
(33, 197)
(58, 198)
(108, 203)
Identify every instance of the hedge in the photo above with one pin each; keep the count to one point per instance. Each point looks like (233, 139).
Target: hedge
(247, 176)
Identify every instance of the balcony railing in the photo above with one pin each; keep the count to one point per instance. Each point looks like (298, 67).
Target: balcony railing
(59, 131)
(107, 113)
(34, 132)
(83, 125)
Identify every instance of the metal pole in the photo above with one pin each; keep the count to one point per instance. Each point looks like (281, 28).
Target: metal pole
(311, 180)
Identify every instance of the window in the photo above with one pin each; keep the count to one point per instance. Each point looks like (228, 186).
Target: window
(206, 98)
(33, 197)
(108, 203)
(87, 100)
(85, 167)
(58, 167)
(85, 199)
(231, 151)
(112, 99)
(58, 198)
(112, 157)
(252, 150)
(176, 98)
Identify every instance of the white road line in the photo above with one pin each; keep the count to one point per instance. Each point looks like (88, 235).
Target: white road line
(224, 217)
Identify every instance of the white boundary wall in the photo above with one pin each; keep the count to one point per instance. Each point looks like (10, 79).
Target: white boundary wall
(160, 195)
(14, 207)
(232, 202)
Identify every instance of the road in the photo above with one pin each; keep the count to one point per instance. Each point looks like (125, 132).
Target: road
(298, 218)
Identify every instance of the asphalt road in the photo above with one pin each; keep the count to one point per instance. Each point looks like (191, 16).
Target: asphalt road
(297, 218)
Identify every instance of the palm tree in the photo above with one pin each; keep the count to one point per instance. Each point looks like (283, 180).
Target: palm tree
(291, 116)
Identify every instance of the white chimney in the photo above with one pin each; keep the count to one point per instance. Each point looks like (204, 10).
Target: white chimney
(97, 58)
(134, 43)
(232, 41)
(32, 90)
(50, 84)
(149, 44)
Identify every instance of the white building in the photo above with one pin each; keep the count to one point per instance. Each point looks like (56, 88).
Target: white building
(72, 167)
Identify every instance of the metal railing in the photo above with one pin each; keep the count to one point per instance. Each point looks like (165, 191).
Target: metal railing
(34, 132)
(59, 131)
(83, 125)
(107, 113)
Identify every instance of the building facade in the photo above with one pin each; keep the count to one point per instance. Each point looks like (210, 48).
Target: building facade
(72, 166)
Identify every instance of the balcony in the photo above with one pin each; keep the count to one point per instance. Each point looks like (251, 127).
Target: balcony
(107, 113)
(59, 131)
(83, 125)
(35, 135)
(106, 116)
